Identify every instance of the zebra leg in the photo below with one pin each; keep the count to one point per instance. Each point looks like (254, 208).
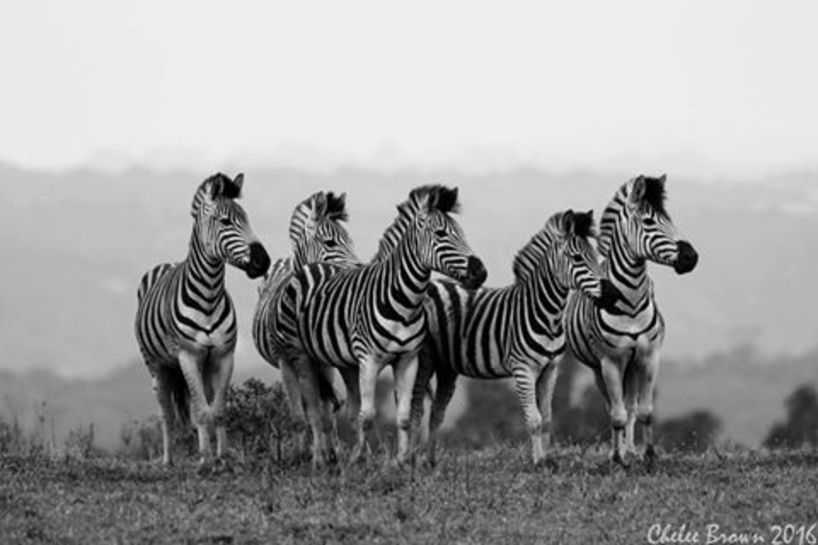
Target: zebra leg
(350, 377)
(162, 391)
(368, 371)
(525, 382)
(220, 380)
(612, 377)
(405, 374)
(545, 395)
(191, 365)
(446, 382)
(295, 401)
(424, 375)
(631, 391)
(647, 383)
(314, 408)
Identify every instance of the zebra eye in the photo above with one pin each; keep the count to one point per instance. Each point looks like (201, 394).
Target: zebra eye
(649, 222)
(225, 221)
(329, 243)
(440, 233)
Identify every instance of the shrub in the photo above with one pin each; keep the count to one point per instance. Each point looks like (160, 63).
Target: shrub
(801, 426)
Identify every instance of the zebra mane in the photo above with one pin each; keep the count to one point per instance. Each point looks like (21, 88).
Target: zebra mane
(329, 205)
(530, 257)
(222, 186)
(336, 207)
(440, 198)
(653, 198)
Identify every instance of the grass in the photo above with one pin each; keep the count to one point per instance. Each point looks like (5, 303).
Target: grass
(488, 496)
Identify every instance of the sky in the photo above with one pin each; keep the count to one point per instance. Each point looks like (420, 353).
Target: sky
(707, 88)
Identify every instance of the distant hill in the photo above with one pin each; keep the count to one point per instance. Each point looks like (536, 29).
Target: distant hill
(76, 244)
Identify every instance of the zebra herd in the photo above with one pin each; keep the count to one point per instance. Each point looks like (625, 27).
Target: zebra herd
(323, 309)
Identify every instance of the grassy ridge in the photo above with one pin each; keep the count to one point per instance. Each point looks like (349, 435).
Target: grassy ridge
(491, 496)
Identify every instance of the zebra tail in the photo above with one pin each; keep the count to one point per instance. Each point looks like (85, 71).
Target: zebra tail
(180, 394)
(326, 389)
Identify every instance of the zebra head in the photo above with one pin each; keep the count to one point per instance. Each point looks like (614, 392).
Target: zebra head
(645, 226)
(316, 231)
(222, 228)
(441, 243)
(575, 261)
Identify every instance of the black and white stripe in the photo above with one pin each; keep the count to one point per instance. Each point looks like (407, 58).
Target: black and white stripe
(514, 331)
(365, 318)
(622, 344)
(185, 320)
(317, 234)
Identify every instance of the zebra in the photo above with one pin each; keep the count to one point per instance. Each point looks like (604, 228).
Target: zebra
(365, 318)
(185, 321)
(513, 331)
(317, 234)
(622, 344)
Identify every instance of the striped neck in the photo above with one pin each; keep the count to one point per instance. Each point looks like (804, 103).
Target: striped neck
(629, 273)
(409, 276)
(542, 286)
(203, 278)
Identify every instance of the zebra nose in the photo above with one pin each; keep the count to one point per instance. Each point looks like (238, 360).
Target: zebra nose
(475, 273)
(688, 258)
(259, 260)
(608, 295)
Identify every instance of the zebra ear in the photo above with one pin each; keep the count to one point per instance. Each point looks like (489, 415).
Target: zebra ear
(238, 181)
(568, 222)
(217, 185)
(638, 189)
(663, 179)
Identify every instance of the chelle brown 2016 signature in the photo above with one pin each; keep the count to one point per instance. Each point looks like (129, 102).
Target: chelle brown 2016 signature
(714, 534)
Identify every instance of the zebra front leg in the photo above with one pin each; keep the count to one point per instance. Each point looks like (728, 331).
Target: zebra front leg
(649, 372)
(162, 390)
(545, 396)
(220, 381)
(405, 374)
(191, 365)
(631, 398)
(525, 382)
(612, 377)
(368, 372)
(446, 382)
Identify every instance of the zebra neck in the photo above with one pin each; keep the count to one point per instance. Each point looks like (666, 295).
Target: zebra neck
(408, 276)
(543, 287)
(629, 273)
(202, 279)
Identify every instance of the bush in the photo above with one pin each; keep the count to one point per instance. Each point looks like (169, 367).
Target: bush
(693, 432)
(801, 426)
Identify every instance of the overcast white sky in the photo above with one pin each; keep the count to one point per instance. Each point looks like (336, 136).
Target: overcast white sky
(711, 86)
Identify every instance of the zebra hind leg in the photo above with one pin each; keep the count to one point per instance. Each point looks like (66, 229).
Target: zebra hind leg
(545, 396)
(163, 395)
(446, 382)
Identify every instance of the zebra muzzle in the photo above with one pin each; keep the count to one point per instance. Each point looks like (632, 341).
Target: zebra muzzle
(688, 258)
(476, 273)
(259, 261)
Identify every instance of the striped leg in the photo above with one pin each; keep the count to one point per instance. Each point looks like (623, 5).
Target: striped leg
(545, 395)
(405, 375)
(631, 392)
(424, 375)
(220, 380)
(525, 382)
(162, 389)
(201, 414)
(650, 370)
(295, 400)
(368, 370)
(446, 381)
(612, 376)
(317, 415)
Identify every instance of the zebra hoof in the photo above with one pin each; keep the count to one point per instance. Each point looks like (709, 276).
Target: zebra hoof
(621, 461)
(548, 464)
(205, 467)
